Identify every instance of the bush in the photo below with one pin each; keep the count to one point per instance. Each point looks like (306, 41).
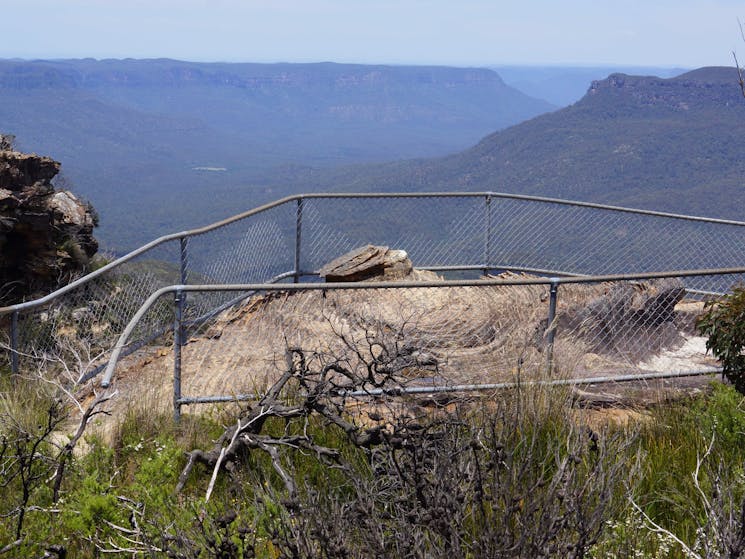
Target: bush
(724, 324)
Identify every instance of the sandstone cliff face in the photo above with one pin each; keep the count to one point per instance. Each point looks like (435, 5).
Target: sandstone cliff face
(703, 89)
(46, 235)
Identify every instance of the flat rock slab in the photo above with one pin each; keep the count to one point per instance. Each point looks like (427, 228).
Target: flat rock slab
(366, 263)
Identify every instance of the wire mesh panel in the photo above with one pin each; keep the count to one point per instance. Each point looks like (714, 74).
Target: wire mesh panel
(83, 324)
(585, 240)
(439, 336)
(434, 231)
(476, 231)
(252, 250)
(245, 251)
(428, 336)
(631, 326)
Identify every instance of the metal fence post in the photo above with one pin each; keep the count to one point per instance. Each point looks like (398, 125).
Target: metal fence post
(183, 277)
(178, 330)
(14, 342)
(487, 237)
(298, 238)
(550, 326)
(184, 260)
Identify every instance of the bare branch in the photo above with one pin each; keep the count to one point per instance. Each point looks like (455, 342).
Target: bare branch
(90, 411)
(11, 546)
(740, 78)
(219, 462)
(656, 528)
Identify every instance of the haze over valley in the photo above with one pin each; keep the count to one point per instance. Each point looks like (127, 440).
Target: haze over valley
(640, 141)
(292, 96)
(477, 364)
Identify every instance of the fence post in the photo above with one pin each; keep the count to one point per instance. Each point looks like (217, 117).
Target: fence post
(183, 276)
(550, 326)
(178, 331)
(487, 238)
(298, 238)
(184, 269)
(14, 342)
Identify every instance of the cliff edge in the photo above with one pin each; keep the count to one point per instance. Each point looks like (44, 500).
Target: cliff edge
(46, 235)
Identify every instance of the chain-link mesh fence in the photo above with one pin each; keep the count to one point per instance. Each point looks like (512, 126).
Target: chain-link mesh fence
(84, 322)
(428, 336)
(441, 231)
(437, 335)
(631, 326)
(491, 231)
(468, 232)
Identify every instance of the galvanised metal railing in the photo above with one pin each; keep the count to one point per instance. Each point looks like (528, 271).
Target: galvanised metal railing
(458, 234)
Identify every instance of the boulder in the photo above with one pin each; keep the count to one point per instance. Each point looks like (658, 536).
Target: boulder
(366, 263)
(633, 320)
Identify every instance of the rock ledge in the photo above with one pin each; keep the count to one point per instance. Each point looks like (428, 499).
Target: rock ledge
(46, 235)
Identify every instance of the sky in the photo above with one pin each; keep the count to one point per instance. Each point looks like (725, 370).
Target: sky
(680, 33)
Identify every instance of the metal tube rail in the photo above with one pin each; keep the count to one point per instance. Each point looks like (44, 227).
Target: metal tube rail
(178, 342)
(551, 327)
(408, 390)
(372, 195)
(137, 252)
(581, 381)
(505, 195)
(122, 341)
(476, 268)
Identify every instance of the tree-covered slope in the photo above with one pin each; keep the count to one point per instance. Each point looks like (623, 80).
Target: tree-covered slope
(669, 144)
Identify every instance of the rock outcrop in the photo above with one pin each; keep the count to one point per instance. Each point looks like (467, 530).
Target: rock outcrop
(634, 320)
(369, 262)
(46, 235)
(374, 263)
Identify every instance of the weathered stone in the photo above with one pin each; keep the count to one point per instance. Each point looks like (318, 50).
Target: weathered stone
(629, 319)
(21, 170)
(68, 210)
(368, 263)
(687, 314)
(46, 236)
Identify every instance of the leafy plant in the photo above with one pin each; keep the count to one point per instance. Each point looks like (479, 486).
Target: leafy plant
(724, 324)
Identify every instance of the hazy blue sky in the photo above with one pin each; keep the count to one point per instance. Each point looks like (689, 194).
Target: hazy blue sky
(684, 33)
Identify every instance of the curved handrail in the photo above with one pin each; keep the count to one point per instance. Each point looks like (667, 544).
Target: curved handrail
(297, 197)
(129, 256)
(524, 197)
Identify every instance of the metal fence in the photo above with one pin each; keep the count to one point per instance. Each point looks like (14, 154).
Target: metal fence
(459, 235)
(436, 335)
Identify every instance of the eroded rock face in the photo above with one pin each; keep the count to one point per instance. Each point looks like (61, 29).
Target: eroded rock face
(368, 263)
(635, 320)
(46, 236)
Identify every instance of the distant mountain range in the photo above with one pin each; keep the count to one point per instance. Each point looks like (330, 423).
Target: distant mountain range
(667, 144)
(146, 139)
(160, 145)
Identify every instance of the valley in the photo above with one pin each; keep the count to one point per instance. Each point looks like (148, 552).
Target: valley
(170, 145)
(140, 138)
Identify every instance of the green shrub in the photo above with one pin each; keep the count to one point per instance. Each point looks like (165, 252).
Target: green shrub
(724, 324)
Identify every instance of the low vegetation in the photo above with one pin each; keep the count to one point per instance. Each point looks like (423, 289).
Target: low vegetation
(310, 470)
(724, 325)
(518, 474)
